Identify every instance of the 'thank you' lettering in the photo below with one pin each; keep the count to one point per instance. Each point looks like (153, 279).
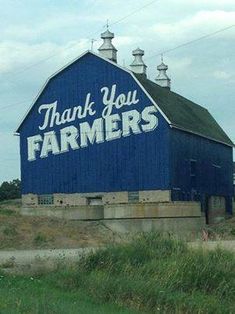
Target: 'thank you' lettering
(108, 127)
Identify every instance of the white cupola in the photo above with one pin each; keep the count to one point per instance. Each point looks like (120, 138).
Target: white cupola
(107, 49)
(138, 65)
(162, 79)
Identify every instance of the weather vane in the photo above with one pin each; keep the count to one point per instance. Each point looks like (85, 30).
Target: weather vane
(92, 43)
(107, 24)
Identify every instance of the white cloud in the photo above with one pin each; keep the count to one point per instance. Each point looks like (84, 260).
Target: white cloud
(60, 28)
(9, 152)
(206, 3)
(222, 75)
(49, 26)
(123, 41)
(181, 64)
(195, 25)
(16, 56)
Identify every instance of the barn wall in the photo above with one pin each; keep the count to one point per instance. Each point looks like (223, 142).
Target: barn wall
(200, 168)
(135, 163)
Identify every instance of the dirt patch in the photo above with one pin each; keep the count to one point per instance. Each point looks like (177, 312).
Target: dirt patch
(25, 232)
(224, 230)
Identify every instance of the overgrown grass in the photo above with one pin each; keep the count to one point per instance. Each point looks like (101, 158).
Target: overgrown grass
(224, 230)
(159, 274)
(151, 274)
(7, 212)
(13, 202)
(38, 295)
(40, 239)
(9, 231)
(10, 207)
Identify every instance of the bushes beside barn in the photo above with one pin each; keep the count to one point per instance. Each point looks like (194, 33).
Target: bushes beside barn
(10, 190)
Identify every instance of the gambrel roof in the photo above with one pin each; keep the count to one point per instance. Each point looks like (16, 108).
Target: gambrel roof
(178, 111)
(183, 113)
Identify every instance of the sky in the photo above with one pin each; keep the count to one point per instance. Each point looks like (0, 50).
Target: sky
(37, 38)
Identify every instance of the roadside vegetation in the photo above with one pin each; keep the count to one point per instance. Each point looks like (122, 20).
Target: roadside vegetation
(19, 232)
(29, 295)
(224, 230)
(10, 190)
(10, 207)
(158, 274)
(150, 274)
(31, 232)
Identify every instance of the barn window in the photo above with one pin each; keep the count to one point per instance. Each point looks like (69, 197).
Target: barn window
(94, 200)
(47, 199)
(133, 197)
(193, 172)
(193, 166)
(217, 179)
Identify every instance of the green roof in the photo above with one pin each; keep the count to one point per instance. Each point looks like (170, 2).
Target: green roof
(183, 113)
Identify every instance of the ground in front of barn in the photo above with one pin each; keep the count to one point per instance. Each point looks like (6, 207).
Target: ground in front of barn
(34, 295)
(149, 274)
(27, 232)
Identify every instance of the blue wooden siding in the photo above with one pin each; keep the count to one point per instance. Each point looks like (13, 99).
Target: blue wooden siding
(137, 162)
(213, 168)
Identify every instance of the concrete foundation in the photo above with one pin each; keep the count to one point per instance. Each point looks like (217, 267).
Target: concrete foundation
(94, 212)
(153, 211)
(82, 199)
(216, 209)
(184, 227)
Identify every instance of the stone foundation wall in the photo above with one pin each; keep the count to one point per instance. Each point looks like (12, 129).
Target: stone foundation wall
(178, 218)
(72, 213)
(216, 209)
(81, 199)
(116, 211)
(153, 210)
(184, 227)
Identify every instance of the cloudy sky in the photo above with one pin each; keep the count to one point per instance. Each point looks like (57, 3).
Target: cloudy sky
(37, 37)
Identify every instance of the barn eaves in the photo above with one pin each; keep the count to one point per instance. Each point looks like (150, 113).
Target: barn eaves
(183, 113)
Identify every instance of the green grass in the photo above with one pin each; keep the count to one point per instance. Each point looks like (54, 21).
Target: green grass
(224, 230)
(9, 231)
(40, 239)
(151, 274)
(10, 207)
(7, 212)
(39, 295)
(158, 274)
(14, 202)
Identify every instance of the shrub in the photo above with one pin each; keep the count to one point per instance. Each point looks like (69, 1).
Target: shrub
(10, 231)
(40, 239)
(10, 190)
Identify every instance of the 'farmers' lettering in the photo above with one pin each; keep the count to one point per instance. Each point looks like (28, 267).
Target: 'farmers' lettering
(110, 126)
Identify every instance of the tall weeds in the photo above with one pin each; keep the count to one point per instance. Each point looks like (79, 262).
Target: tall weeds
(155, 273)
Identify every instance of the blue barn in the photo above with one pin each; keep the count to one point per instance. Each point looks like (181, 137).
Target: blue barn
(98, 130)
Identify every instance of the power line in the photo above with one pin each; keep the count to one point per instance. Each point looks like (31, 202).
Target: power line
(15, 104)
(191, 41)
(24, 69)
(91, 35)
(132, 13)
(155, 55)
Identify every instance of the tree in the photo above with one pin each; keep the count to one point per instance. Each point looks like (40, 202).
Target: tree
(10, 190)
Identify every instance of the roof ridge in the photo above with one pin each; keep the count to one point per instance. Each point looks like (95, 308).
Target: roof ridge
(184, 113)
(170, 91)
